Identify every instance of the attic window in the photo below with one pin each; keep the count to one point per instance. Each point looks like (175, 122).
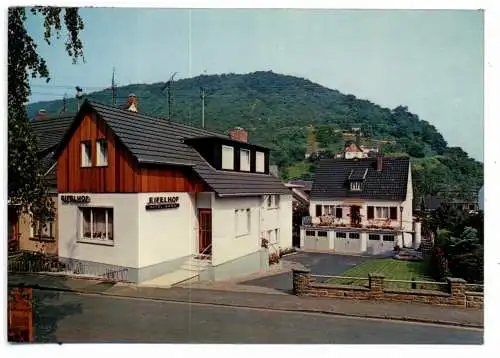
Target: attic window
(86, 154)
(356, 186)
(245, 160)
(259, 162)
(102, 153)
(227, 157)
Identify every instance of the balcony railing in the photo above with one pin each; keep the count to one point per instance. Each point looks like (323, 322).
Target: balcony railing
(332, 222)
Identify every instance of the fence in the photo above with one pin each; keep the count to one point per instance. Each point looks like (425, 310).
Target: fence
(30, 262)
(454, 292)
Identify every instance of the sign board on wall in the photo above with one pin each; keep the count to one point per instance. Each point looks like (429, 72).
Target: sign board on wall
(75, 199)
(162, 202)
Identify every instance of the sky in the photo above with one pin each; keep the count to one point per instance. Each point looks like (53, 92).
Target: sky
(431, 61)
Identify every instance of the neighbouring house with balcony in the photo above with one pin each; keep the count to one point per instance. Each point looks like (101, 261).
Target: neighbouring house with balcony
(361, 206)
(152, 198)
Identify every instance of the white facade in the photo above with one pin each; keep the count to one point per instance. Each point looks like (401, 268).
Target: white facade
(402, 224)
(147, 238)
(227, 245)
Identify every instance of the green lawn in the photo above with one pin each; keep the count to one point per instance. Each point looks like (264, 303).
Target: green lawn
(392, 270)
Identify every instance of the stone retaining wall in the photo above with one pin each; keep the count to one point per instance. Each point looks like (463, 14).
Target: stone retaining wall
(304, 285)
(474, 299)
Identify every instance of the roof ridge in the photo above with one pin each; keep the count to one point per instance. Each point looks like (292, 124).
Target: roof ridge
(162, 120)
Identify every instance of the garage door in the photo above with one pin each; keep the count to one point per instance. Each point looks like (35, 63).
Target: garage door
(322, 241)
(388, 242)
(347, 242)
(316, 240)
(379, 244)
(374, 244)
(310, 240)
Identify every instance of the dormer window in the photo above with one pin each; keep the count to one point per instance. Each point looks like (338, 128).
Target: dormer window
(259, 162)
(356, 178)
(356, 186)
(227, 157)
(244, 160)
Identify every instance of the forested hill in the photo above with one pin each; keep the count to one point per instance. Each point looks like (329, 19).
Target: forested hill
(277, 111)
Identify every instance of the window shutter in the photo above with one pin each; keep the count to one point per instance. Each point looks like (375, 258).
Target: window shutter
(370, 212)
(318, 210)
(394, 213)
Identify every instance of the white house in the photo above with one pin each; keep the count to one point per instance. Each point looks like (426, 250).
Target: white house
(360, 206)
(146, 197)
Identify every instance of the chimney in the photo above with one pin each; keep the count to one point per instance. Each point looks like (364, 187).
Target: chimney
(380, 161)
(42, 113)
(132, 102)
(238, 134)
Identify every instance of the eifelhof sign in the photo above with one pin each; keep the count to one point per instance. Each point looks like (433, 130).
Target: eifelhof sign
(75, 199)
(162, 202)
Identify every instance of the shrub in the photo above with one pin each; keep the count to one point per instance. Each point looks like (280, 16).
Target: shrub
(274, 258)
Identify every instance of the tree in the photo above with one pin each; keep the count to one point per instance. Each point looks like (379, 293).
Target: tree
(26, 188)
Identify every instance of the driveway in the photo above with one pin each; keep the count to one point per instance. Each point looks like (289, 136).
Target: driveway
(318, 263)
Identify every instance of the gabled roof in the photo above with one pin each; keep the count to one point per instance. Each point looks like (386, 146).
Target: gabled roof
(331, 179)
(153, 140)
(49, 131)
(431, 202)
(305, 184)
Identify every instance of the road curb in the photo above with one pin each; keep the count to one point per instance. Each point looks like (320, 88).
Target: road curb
(318, 311)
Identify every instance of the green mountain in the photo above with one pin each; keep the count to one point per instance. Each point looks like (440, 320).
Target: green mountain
(277, 111)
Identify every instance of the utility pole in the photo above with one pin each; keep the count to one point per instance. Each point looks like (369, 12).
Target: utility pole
(113, 88)
(79, 95)
(202, 96)
(168, 86)
(65, 103)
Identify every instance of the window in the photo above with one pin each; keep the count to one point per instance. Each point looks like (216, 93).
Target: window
(41, 231)
(102, 153)
(86, 149)
(374, 237)
(242, 221)
(259, 162)
(310, 233)
(341, 235)
(96, 224)
(382, 212)
(318, 210)
(273, 236)
(227, 157)
(244, 160)
(388, 238)
(322, 233)
(355, 186)
(394, 213)
(370, 212)
(353, 235)
(328, 210)
(338, 213)
(273, 201)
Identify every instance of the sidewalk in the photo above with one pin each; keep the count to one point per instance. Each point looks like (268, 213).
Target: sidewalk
(273, 300)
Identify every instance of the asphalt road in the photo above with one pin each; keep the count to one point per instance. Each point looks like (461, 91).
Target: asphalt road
(69, 317)
(318, 263)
